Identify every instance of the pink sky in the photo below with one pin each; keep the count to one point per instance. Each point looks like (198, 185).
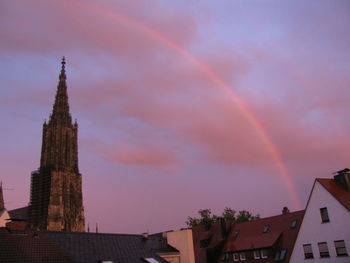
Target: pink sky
(159, 136)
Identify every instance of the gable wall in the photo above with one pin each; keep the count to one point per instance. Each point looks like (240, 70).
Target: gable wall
(313, 230)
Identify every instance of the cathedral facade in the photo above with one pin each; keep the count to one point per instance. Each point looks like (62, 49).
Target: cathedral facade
(56, 201)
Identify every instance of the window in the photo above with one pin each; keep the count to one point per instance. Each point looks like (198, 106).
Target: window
(235, 257)
(235, 234)
(256, 254)
(308, 251)
(225, 257)
(294, 224)
(281, 254)
(266, 228)
(242, 256)
(151, 260)
(340, 248)
(264, 253)
(324, 215)
(323, 248)
(204, 242)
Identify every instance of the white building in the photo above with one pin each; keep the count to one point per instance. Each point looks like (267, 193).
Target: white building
(324, 235)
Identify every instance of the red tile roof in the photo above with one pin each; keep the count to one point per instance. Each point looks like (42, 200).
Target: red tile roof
(336, 190)
(280, 233)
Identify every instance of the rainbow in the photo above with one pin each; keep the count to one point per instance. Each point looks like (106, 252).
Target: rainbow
(266, 140)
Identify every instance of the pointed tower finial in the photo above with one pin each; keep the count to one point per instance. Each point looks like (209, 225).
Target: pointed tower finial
(63, 69)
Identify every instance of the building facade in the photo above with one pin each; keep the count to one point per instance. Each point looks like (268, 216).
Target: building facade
(4, 215)
(324, 235)
(56, 201)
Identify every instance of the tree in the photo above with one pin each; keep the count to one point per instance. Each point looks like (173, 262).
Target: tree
(244, 216)
(206, 218)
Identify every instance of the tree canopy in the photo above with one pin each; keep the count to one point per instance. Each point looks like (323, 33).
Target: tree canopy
(207, 218)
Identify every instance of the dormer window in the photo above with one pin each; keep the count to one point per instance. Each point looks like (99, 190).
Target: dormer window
(266, 228)
(256, 254)
(294, 224)
(264, 253)
(204, 243)
(226, 257)
(324, 215)
(235, 234)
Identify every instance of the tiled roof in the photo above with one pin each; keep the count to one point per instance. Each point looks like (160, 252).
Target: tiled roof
(337, 191)
(19, 213)
(29, 246)
(49, 246)
(94, 247)
(250, 234)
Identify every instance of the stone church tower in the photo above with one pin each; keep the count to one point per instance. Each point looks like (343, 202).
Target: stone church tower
(56, 201)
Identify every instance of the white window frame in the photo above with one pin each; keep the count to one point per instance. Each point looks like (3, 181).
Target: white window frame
(256, 254)
(262, 254)
(235, 256)
(242, 256)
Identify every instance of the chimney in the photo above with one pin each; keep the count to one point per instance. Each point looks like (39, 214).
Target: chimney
(285, 210)
(145, 235)
(342, 177)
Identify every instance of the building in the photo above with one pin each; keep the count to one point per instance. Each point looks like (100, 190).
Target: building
(56, 201)
(269, 239)
(324, 235)
(18, 244)
(4, 215)
(181, 240)
(209, 241)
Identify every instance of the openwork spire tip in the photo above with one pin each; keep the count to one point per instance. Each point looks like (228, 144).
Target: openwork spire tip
(63, 69)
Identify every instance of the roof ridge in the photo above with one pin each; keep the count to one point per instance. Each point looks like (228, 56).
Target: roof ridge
(269, 217)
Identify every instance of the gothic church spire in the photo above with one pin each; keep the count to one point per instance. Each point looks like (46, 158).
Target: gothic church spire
(56, 200)
(60, 111)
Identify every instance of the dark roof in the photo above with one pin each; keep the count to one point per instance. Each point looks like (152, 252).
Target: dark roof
(280, 234)
(29, 246)
(335, 189)
(19, 213)
(50, 246)
(94, 247)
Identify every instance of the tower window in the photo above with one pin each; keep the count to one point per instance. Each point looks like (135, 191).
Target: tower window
(324, 215)
(323, 248)
(340, 248)
(308, 251)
